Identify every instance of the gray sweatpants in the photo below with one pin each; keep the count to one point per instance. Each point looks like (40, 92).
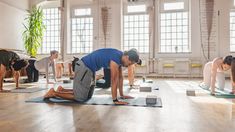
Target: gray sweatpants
(84, 82)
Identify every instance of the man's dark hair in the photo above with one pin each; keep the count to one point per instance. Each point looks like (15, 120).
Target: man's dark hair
(133, 55)
(228, 60)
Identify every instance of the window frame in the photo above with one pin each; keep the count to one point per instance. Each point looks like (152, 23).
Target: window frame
(73, 16)
(59, 26)
(161, 10)
(126, 13)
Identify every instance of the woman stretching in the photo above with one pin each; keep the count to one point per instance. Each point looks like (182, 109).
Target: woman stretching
(213, 73)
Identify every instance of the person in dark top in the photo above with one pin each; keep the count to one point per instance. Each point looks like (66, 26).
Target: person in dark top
(32, 72)
(105, 81)
(84, 79)
(10, 61)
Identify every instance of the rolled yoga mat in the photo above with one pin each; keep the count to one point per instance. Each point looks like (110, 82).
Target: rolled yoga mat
(99, 100)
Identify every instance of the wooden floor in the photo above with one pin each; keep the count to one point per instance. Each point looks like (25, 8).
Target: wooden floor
(180, 113)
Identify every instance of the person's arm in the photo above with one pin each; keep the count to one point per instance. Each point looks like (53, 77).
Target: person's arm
(47, 72)
(16, 77)
(2, 74)
(114, 79)
(53, 69)
(120, 84)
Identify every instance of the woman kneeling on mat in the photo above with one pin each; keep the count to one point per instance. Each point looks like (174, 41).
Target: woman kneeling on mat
(213, 73)
(84, 79)
(10, 61)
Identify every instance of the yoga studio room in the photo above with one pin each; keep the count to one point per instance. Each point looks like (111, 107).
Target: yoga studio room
(117, 65)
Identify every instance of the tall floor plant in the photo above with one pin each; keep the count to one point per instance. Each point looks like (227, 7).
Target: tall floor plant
(34, 30)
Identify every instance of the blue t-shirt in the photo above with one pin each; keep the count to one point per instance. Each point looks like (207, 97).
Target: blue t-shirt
(101, 58)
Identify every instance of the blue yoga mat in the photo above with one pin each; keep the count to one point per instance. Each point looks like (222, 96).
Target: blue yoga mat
(221, 94)
(98, 100)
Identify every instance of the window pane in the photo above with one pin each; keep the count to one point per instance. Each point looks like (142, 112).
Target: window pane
(136, 8)
(82, 12)
(136, 33)
(51, 38)
(232, 31)
(174, 34)
(82, 38)
(174, 6)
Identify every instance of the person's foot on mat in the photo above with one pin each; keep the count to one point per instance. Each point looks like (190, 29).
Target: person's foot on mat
(121, 103)
(49, 94)
(213, 93)
(203, 85)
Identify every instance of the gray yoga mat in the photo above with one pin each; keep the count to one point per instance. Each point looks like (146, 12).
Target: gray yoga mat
(98, 100)
(27, 90)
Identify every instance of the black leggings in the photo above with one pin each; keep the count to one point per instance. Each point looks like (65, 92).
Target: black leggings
(32, 72)
(107, 78)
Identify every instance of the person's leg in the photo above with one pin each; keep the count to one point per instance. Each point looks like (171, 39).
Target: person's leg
(207, 75)
(70, 69)
(52, 93)
(2, 75)
(1, 82)
(91, 91)
(36, 75)
(83, 80)
(107, 78)
(220, 80)
(29, 71)
(58, 70)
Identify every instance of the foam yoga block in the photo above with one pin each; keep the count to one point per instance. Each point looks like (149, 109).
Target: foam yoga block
(145, 88)
(151, 100)
(190, 93)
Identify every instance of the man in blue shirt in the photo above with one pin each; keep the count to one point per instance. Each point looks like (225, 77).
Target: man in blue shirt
(84, 79)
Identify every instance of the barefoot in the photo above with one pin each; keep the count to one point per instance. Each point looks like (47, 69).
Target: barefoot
(120, 103)
(49, 94)
(60, 89)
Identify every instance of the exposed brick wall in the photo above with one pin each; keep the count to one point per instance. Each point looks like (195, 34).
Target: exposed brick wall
(206, 7)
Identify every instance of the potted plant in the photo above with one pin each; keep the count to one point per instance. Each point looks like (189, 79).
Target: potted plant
(34, 29)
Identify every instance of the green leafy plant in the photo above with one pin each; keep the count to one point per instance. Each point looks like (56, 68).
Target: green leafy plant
(34, 30)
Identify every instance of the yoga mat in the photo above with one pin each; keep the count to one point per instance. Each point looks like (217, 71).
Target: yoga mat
(221, 94)
(98, 100)
(27, 90)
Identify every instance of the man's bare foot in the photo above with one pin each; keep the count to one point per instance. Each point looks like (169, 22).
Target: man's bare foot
(120, 103)
(49, 94)
(60, 89)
